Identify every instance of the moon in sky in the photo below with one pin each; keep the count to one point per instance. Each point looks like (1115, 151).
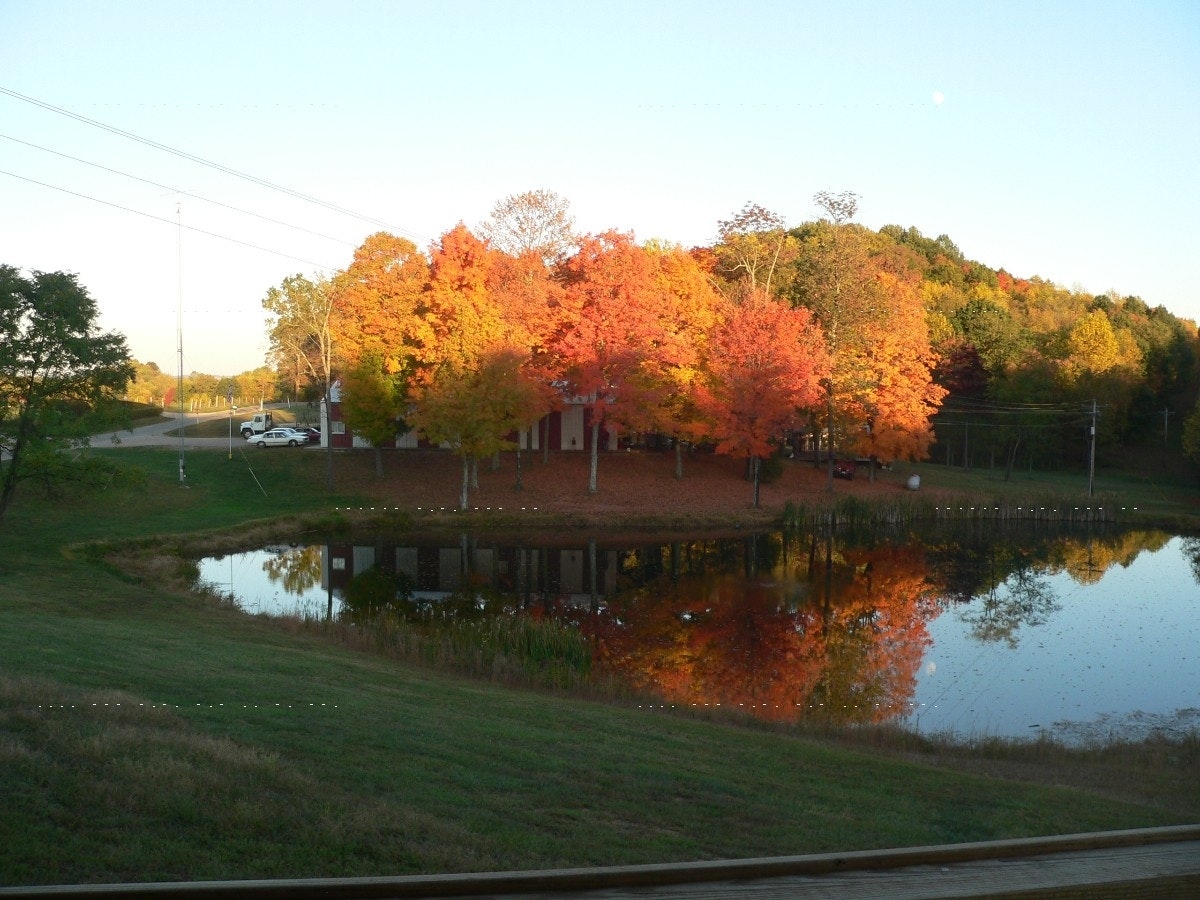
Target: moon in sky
(938, 98)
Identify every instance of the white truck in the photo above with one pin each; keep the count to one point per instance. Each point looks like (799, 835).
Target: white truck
(260, 423)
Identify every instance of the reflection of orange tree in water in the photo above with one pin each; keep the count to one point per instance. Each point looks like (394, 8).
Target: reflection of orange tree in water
(876, 635)
(842, 649)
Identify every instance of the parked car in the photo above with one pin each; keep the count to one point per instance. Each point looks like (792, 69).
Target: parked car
(313, 435)
(844, 468)
(278, 437)
(301, 433)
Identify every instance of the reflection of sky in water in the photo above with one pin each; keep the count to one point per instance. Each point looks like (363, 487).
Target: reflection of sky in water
(244, 576)
(1116, 658)
(1128, 644)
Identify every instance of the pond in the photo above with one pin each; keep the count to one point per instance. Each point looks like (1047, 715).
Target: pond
(976, 631)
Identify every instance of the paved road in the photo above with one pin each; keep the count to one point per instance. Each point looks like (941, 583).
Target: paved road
(1154, 862)
(156, 435)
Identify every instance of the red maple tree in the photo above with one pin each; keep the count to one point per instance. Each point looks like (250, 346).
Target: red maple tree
(766, 363)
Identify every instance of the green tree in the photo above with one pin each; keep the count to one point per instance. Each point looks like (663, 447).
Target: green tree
(475, 411)
(301, 336)
(371, 405)
(836, 280)
(994, 333)
(298, 328)
(59, 377)
(200, 389)
(1191, 434)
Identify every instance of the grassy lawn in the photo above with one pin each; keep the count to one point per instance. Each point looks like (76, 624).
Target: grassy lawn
(1172, 498)
(148, 734)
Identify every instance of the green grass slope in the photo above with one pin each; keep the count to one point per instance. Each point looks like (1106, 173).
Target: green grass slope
(147, 734)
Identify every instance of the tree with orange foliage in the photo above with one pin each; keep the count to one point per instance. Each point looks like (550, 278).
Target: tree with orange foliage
(612, 323)
(528, 298)
(475, 387)
(462, 323)
(714, 640)
(875, 633)
(691, 308)
(766, 362)
(900, 395)
(840, 649)
(377, 303)
(880, 391)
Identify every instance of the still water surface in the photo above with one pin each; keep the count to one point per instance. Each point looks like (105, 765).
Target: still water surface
(976, 632)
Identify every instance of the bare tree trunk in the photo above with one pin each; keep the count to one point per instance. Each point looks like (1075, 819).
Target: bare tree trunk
(595, 462)
(328, 586)
(829, 413)
(592, 575)
(474, 473)
(754, 466)
(1012, 457)
(520, 482)
(466, 479)
(678, 460)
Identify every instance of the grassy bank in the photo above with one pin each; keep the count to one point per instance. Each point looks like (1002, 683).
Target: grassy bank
(146, 734)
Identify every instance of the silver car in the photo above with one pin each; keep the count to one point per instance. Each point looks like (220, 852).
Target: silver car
(278, 437)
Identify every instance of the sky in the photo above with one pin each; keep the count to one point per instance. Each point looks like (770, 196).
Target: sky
(1051, 139)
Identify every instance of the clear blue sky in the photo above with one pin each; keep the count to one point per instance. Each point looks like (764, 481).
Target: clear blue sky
(1066, 145)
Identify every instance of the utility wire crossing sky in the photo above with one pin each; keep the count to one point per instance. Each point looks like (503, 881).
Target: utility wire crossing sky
(189, 155)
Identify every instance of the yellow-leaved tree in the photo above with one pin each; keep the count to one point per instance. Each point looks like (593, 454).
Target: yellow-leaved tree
(474, 389)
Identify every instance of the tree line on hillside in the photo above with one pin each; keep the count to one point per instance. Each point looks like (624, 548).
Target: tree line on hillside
(885, 344)
(201, 391)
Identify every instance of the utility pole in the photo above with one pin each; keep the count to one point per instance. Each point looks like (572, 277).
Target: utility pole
(179, 330)
(1166, 415)
(1092, 452)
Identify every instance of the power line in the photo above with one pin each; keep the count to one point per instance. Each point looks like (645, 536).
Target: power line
(176, 190)
(990, 406)
(956, 407)
(138, 212)
(191, 157)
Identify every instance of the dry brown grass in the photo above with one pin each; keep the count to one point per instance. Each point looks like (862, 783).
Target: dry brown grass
(631, 486)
